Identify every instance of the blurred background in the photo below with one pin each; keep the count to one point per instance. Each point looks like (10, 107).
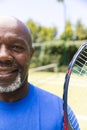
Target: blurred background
(58, 28)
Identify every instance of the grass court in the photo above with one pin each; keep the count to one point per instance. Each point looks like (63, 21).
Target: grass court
(53, 82)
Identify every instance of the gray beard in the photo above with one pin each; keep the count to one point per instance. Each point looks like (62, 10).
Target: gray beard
(14, 86)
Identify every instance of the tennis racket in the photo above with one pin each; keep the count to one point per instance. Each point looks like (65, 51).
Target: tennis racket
(75, 92)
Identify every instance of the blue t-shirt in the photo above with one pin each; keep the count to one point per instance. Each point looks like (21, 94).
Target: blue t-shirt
(38, 110)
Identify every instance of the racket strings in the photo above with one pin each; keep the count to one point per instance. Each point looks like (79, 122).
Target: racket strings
(80, 65)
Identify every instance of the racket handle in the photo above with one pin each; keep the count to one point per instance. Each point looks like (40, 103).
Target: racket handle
(72, 121)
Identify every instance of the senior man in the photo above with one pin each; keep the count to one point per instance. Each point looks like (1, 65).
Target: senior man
(22, 105)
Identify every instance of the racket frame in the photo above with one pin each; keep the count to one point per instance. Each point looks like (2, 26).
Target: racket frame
(67, 125)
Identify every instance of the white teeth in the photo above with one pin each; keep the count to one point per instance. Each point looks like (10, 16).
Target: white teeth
(4, 72)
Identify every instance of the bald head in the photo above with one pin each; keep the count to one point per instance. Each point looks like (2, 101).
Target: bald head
(14, 23)
(7, 21)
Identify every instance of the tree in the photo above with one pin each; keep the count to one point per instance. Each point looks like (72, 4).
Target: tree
(80, 31)
(46, 34)
(68, 32)
(60, 0)
(41, 33)
(33, 28)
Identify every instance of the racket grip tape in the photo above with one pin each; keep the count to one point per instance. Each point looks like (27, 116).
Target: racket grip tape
(72, 121)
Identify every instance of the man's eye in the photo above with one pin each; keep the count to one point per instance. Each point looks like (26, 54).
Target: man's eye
(18, 48)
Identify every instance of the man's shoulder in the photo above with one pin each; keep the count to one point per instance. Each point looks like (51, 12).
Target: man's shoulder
(45, 95)
(50, 108)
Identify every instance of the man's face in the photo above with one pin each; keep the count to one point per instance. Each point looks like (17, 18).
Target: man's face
(15, 54)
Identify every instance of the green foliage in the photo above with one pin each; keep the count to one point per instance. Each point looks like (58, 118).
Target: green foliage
(53, 52)
(60, 0)
(41, 33)
(34, 29)
(80, 31)
(68, 32)
(35, 59)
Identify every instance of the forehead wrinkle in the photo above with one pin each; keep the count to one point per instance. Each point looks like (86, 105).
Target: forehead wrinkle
(11, 40)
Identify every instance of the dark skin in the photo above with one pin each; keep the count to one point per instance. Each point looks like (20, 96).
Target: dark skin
(15, 55)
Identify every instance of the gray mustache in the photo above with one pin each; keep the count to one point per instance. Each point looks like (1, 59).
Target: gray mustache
(7, 63)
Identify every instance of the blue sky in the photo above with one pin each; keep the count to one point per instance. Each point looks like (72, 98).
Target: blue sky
(46, 12)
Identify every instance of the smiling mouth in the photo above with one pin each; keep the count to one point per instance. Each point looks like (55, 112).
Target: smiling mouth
(7, 72)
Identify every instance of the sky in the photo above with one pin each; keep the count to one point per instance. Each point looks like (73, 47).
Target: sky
(46, 12)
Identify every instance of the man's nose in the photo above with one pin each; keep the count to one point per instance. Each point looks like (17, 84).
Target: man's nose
(4, 53)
